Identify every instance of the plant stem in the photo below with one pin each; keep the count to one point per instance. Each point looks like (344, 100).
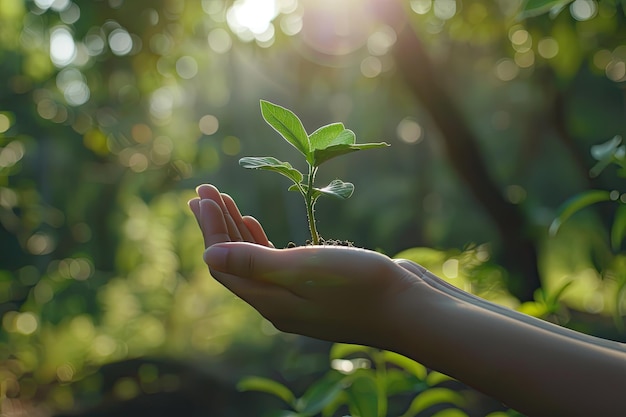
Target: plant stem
(381, 381)
(310, 203)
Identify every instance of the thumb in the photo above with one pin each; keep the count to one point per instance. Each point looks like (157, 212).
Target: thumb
(261, 264)
(239, 258)
(286, 267)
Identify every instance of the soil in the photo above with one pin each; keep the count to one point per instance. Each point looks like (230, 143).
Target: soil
(325, 242)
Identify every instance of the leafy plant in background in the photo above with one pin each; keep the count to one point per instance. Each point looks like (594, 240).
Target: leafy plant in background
(612, 152)
(363, 380)
(369, 382)
(531, 8)
(325, 143)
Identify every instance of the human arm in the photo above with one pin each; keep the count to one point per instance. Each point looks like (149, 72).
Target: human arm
(358, 296)
(529, 364)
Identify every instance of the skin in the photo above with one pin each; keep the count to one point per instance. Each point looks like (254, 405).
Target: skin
(358, 296)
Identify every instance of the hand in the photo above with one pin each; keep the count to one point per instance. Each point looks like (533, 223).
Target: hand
(220, 220)
(333, 293)
(358, 296)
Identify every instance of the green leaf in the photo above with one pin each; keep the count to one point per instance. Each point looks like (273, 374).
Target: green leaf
(346, 137)
(552, 301)
(270, 163)
(533, 308)
(255, 383)
(343, 350)
(575, 204)
(363, 395)
(531, 8)
(285, 122)
(618, 230)
(326, 136)
(431, 397)
(398, 382)
(333, 406)
(450, 412)
(435, 378)
(322, 393)
(405, 363)
(337, 189)
(322, 155)
(605, 153)
(606, 149)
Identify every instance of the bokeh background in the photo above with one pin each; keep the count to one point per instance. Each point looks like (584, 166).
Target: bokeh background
(113, 111)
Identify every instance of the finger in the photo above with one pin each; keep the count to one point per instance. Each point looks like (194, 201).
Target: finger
(212, 223)
(423, 274)
(194, 205)
(270, 300)
(209, 192)
(256, 230)
(235, 214)
(411, 266)
(298, 267)
(434, 281)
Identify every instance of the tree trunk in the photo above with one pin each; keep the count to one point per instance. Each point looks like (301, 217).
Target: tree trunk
(519, 254)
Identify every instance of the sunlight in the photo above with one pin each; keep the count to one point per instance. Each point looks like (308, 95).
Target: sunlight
(5, 123)
(26, 323)
(56, 5)
(332, 30)
(120, 42)
(62, 47)
(409, 131)
(252, 16)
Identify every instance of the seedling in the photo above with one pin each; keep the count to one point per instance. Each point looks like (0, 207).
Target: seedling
(320, 146)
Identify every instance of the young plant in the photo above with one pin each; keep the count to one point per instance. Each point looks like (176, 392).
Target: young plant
(320, 146)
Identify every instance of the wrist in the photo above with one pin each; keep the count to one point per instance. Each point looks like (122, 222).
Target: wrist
(418, 323)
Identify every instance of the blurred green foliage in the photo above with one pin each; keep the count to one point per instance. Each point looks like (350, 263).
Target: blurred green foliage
(367, 382)
(112, 111)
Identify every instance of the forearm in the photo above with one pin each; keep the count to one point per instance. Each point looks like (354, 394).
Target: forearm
(450, 289)
(524, 363)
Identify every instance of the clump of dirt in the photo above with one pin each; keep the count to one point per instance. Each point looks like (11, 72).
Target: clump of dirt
(325, 242)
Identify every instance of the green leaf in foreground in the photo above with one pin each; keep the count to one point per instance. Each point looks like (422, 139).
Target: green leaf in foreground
(325, 143)
(322, 155)
(576, 204)
(328, 135)
(270, 163)
(338, 189)
(285, 122)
